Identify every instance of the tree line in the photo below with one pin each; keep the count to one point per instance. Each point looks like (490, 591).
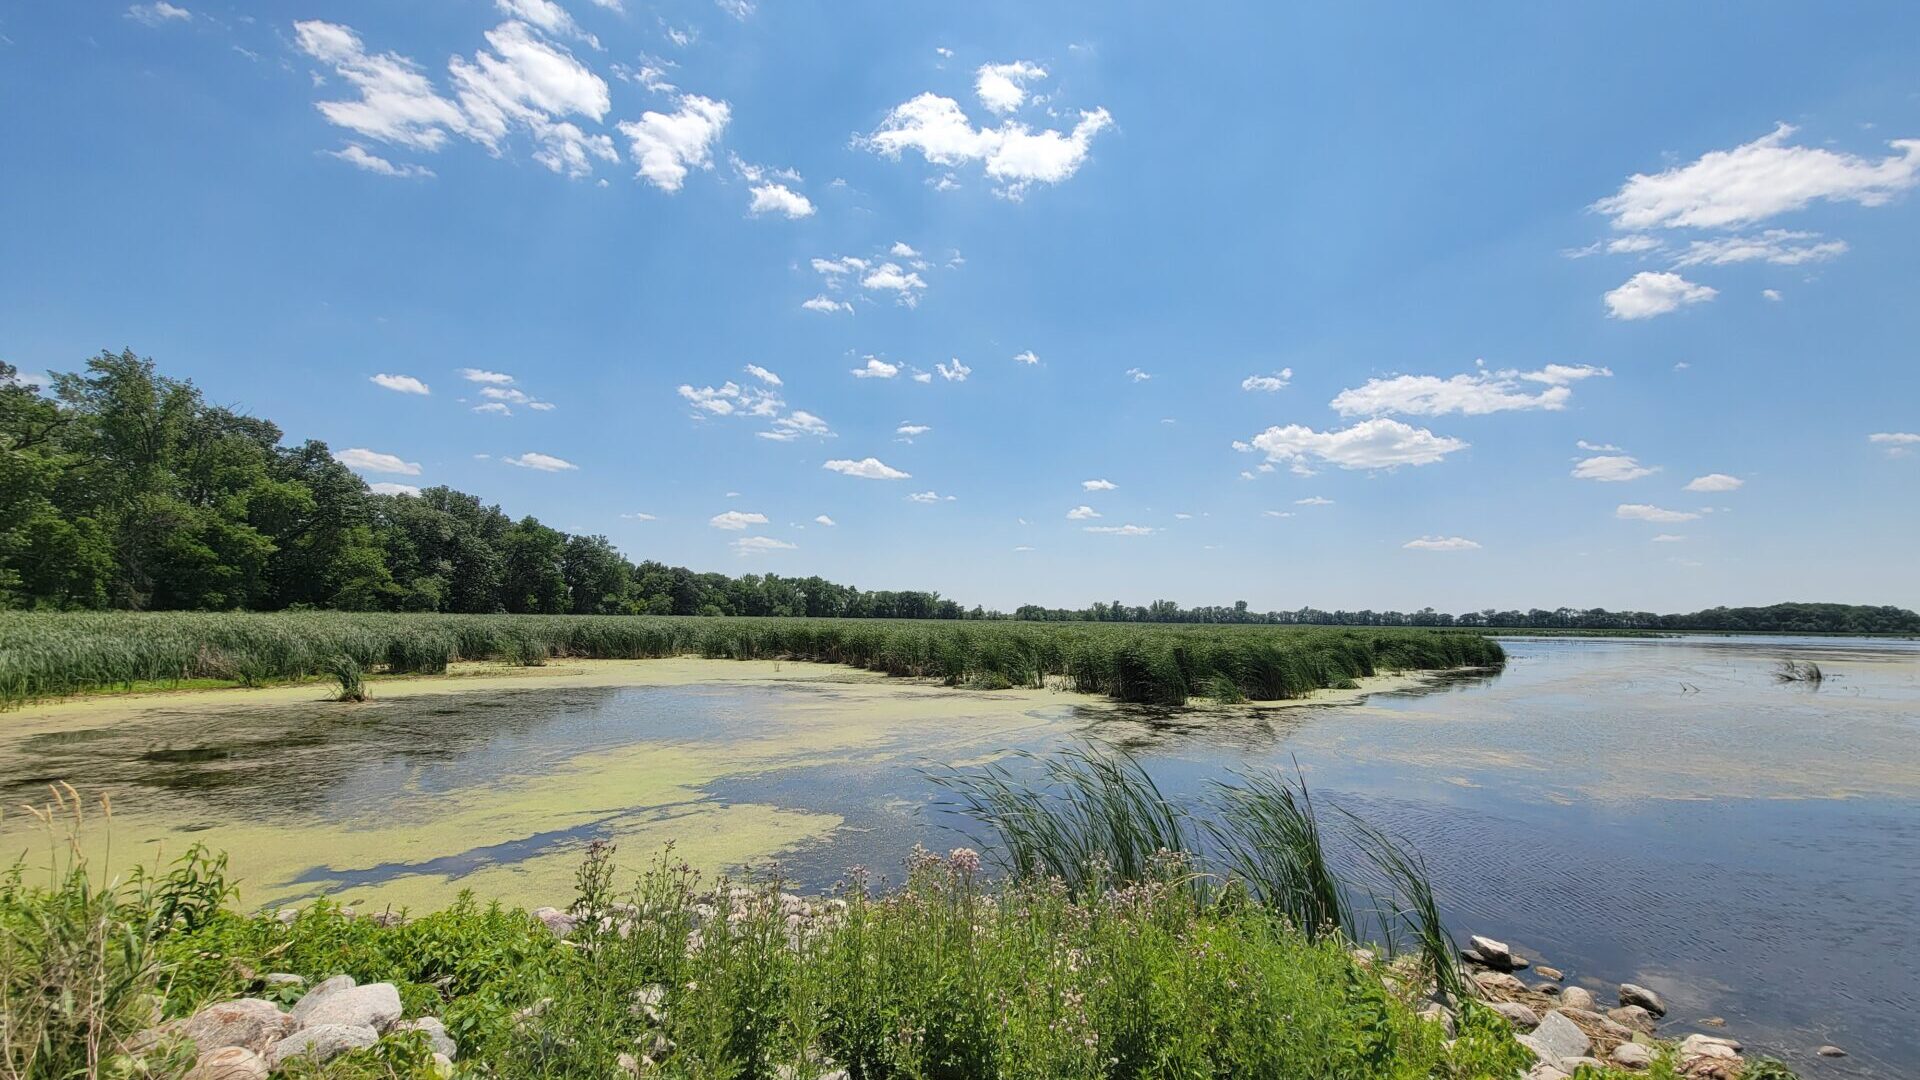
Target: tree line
(121, 488)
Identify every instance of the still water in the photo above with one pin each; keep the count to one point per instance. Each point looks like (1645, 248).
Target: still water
(1660, 811)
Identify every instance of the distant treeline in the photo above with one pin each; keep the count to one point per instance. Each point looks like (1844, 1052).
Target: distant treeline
(124, 489)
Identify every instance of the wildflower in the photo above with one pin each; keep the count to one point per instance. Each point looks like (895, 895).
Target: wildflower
(963, 862)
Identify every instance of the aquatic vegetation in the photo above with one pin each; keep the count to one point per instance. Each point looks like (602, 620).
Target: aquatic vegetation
(50, 654)
(347, 670)
(1799, 671)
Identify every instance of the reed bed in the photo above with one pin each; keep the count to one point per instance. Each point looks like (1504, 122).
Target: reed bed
(44, 655)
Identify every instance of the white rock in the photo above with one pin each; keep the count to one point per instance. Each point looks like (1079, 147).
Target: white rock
(1643, 997)
(1631, 1055)
(1562, 1037)
(322, 990)
(1494, 954)
(1517, 1014)
(1831, 1051)
(1576, 997)
(375, 1005)
(229, 1063)
(321, 1042)
(437, 1037)
(555, 920)
(250, 1022)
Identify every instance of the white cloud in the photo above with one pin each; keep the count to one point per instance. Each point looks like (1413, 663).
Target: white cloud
(667, 145)
(638, 516)
(1649, 293)
(1644, 512)
(361, 158)
(1898, 443)
(1781, 247)
(158, 13)
(739, 9)
(548, 16)
(827, 305)
(929, 497)
(1473, 394)
(1379, 443)
(795, 424)
(903, 250)
(760, 545)
(1772, 295)
(1002, 87)
(923, 376)
(361, 459)
(1668, 538)
(824, 520)
(866, 469)
(1598, 448)
(388, 487)
(1082, 513)
(541, 462)
(957, 373)
(876, 368)
(735, 520)
(1313, 500)
(1441, 543)
(1137, 375)
(1276, 513)
(911, 431)
(397, 103)
(1098, 485)
(1612, 468)
(1012, 154)
(774, 198)
(1715, 482)
(1759, 180)
(493, 408)
(1027, 357)
(1121, 530)
(529, 82)
(1268, 383)
(494, 378)
(731, 399)
(889, 277)
(405, 384)
(763, 374)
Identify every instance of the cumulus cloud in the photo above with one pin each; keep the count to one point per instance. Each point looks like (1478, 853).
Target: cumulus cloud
(735, 520)
(1646, 512)
(731, 399)
(1473, 394)
(361, 158)
(1137, 375)
(1756, 181)
(889, 277)
(1098, 485)
(1028, 357)
(388, 487)
(876, 368)
(911, 431)
(493, 408)
(1897, 443)
(404, 384)
(763, 374)
(1650, 293)
(958, 372)
(827, 305)
(824, 520)
(1082, 513)
(777, 198)
(760, 545)
(1379, 443)
(1121, 530)
(1313, 500)
(397, 103)
(1715, 482)
(1268, 383)
(480, 375)
(1441, 543)
(1002, 87)
(666, 146)
(795, 424)
(1013, 155)
(929, 497)
(361, 459)
(1611, 468)
(541, 462)
(866, 469)
(903, 250)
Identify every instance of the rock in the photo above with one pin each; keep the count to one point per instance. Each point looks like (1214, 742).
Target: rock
(1547, 1071)
(628, 1064)
(1546, 972)
(1632, 1016)
(1437, 1013)
(555, 920)
(1362, 957)
(1576, 997)
(1831, 1051)
(1714, 1021)
(286, 915)
(442, 1066)
(1562, 1037)
(1498, 982)
(1643, 997)
(1700, 1046)
(249, 1022)
(1589, 1021)
(1547, 988)
(437, 1037)
(277, 979)
(320, 992)
(387, 919)
(1517, 1014)
(1494, 954)
(1631, 1055)
(1576, 1064)
(1734, 1045)
(229, 1063)
(375, 1005)
(321, 1043)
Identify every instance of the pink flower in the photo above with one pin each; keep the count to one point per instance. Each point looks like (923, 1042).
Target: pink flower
(963, 862)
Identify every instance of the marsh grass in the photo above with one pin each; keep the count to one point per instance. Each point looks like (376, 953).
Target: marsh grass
(52, 654)
(347, 671)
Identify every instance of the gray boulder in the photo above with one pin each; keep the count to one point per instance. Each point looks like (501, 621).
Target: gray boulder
(1632, 1016)
(1494, 954)
(1831, 1051)
(1587, 1019)
(1517, 1014)
(320, 992)
(1562, 1037)
(555, 920)
(252, 1023)
(1576, 997)
(276, 979)
(229, 1063)
(437, 1036)
(1643, 997)
(1498, 982)
(321, 1043)
(1631, 1055)
(375, 1005)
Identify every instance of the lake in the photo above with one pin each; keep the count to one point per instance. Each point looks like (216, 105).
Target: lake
(1660, 811)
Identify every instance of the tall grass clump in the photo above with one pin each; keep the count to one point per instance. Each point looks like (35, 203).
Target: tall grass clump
(347, 671)
(50, 654)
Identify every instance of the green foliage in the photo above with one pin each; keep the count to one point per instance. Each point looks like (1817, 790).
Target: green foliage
(348, 671)
(45, 654)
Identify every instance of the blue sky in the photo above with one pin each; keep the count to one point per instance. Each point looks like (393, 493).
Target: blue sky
(1356, 306)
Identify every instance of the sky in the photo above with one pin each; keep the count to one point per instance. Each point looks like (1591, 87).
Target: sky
(1349, 306)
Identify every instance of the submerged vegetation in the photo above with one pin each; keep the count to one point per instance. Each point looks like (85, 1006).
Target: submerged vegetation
(52, 654)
